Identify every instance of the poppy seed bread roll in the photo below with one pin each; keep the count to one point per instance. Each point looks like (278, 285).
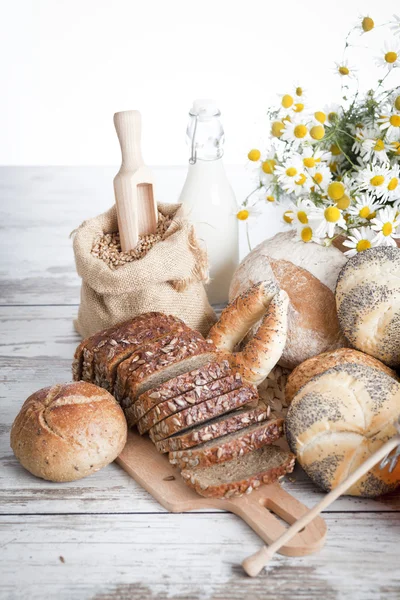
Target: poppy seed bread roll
(368, 303)
(68, 431)
(339, 419)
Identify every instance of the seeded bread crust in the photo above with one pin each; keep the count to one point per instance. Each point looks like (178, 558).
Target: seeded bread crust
(194, 397)
(119, 348)
(153, 358)
(182, 384)
(214, 429)
(203, 412)
(229, 447)
(284, 462)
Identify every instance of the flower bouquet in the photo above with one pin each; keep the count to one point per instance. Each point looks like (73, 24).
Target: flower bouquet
(336, 170)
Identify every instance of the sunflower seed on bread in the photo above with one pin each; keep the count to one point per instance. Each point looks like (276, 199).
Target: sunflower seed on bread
(241, 475)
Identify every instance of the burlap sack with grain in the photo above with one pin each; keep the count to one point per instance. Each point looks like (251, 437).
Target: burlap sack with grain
(168, 279)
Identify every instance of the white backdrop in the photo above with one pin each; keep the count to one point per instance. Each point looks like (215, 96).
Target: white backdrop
(68, 65)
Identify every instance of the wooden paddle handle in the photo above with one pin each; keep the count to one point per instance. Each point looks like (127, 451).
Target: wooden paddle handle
(255, 563)
(128, 125)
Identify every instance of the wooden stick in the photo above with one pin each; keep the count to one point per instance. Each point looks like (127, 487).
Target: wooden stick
(255, 563)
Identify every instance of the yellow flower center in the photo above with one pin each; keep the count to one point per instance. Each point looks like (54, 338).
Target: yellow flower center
(387, 228)
(343, 203)
(301, 180)
(371, 216)
(317, 132)
(393, 183)
(288, 216)
(397, 103)
(318, 178)
(377, 180)
(291, 172)
(336, 190)
(332, 214)
(335, 150)
(379, 145)
(364, 212)
(309, 162)
(332, 116)
(268, 166)
(333, 167)
(395, 120)
(343, 70)
(300, 131)
(306, 234)
(299, 91)
(270, 199)
(396, 147)
(391, 57)
(302, 217)
(363, 245)
(243, 214)
(367, 24)
(320, 116)
(254, 155)
(298, 107)
(287, 101)
(277, 128)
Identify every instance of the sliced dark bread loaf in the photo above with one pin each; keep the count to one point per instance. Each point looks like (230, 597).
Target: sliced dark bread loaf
(182, 384)
(229, 446)
(240, 475)
(120, 347)
(215, 428)
(192, 398)
(203, 412)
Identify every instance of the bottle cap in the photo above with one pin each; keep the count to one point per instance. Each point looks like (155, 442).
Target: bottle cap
(205, 107)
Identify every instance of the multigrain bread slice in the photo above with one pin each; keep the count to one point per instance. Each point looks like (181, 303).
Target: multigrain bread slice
(229, 447)
(179, 385)
(123, 343)
(170, 407)
(215, 428)
(203, 412)
(240, 475)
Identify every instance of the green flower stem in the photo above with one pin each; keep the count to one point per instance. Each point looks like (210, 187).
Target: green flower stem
(248, 236)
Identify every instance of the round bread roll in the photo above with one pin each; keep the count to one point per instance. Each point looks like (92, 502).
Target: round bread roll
(68, 431)
(368, 303)
(308, 273)
(319, 364)
(340, 418)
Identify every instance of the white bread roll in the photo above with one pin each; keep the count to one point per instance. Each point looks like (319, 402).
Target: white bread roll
(368, 303)
(68, 431)
(308, 273)
(340, 418)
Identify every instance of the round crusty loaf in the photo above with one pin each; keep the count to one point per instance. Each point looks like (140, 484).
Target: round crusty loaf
(321, 363)
(308, 273)
(368, 303)
(340, 418)
(68, 431)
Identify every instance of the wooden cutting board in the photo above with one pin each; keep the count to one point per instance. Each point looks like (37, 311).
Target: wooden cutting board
(156, 475)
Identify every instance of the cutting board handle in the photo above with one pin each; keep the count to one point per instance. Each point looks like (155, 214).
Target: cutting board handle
(128, 125)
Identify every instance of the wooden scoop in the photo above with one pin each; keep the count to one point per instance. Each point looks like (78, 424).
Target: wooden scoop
(133, 184)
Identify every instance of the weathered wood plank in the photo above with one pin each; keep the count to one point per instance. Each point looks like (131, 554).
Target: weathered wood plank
(36, 347)
(110, 557)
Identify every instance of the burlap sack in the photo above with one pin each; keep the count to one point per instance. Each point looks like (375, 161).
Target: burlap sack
(169, 278)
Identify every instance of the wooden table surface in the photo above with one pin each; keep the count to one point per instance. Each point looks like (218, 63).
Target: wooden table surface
(104, 538)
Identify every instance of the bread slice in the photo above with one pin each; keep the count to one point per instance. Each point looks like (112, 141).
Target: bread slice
(121, 346)
(192, 398)
(203, 412)
(182, 384)
(229, 446)
(240, 475)
(215, 428)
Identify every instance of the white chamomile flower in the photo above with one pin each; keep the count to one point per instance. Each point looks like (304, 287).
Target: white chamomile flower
(390, 55)
(292, 176)
(365, 207)
(395, 148)
(375, 150)
(392, 192)
(300, 211)
(312, 157)
(321, 176)
(385, 224)
(295, 134)
(391, 122)
(333, 113)
(247, 212)
(343, 69)
(364, 24)
(374, 178)
(325, 220)
(361, 239)
(361, 133)
(267, 167)
(306, 233)
(395, 25)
